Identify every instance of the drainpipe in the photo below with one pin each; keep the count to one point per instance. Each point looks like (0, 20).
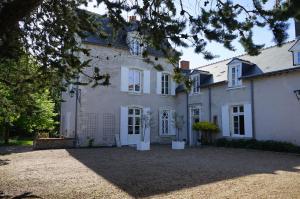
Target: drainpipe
(252, 109)
(209, 102)
(187, 118)
(76, 110)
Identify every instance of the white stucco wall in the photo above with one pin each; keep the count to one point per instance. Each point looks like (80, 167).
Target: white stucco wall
(277, 110)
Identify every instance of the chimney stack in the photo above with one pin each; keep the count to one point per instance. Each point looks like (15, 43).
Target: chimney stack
(185, 65)
(132, 18)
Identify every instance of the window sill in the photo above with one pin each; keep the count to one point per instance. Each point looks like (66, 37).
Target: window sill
(165, 95)
(236, 87)
(134, 93)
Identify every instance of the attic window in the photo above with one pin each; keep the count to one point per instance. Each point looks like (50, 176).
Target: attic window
(136, 48)
(298, 58)
(234, 74)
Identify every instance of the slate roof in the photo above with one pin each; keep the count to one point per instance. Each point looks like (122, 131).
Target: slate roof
(119, 40)
(270, 60)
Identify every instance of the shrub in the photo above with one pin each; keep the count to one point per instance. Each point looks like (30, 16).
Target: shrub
(268, 145)
(207, 129)
(206, 126)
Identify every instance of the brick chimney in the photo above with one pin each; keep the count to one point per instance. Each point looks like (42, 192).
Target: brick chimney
(132, 18)
(184, 64)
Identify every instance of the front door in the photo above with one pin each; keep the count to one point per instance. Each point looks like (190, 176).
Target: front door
(134, 125)
(194, 117)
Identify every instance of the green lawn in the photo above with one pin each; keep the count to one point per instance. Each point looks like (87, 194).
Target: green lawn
(18, 142)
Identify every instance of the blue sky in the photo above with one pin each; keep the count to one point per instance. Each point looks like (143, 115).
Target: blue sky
(260, 36)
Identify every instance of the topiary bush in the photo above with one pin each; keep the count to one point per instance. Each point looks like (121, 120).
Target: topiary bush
(207, 129)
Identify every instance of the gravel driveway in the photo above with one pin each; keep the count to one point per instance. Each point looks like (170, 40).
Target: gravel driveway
(159, 173)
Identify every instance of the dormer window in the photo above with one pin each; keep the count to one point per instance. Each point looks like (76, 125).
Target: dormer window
(196, 84)
(298, 58)
(234, 74)
(136, 47)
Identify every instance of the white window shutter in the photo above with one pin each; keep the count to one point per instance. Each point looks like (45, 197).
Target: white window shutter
(229, 76)
(124, 79)
(248, 120)
(172, 123)
(225, 121)
(146, 85)
(158, 83)
(173, 87)
(147, 131)
(124, 125)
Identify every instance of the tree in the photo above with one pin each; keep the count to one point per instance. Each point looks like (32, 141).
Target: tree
(23, 90)
(48, 28)
(42, 117)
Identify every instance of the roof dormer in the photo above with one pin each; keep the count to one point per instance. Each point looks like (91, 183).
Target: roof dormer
(135, 43)
(295, 49)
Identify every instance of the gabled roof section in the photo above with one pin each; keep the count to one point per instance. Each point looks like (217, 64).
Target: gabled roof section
(270, 59)
(240, 60)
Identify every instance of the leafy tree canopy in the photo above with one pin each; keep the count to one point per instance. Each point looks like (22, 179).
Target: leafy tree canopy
(47, 29)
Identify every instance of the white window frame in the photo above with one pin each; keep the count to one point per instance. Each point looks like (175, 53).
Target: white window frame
(237, 114)
(167, 125)
(134, 117)
(196, 84)
(234, 80)
(135, 71)
(165, 85)
(135, 47)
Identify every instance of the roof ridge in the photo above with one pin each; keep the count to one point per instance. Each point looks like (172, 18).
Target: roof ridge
(266, 48)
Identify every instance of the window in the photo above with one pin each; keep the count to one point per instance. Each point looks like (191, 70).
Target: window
(298, 58)
(196, 84)
(165, 122)
(134, 121)
(165, 84)
(134, 81)
(234, 75)
(238, 120)
(136, 48)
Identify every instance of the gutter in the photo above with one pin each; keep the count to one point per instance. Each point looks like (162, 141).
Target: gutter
(209, 103)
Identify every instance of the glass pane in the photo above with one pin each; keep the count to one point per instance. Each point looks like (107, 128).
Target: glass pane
(130, 111)
(137, 121)
(137, 130)
(242, 126)
(130, 130)
(241, 108)
(235, 109)
(137, 111)
(137, 87)
(130, 80)
(130, 121)
(236, 124)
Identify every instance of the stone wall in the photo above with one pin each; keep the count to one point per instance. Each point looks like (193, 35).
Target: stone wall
(53, 143)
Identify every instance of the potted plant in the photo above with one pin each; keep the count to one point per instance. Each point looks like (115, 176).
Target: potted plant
(178, 122)
(207, 130)
(143, 144)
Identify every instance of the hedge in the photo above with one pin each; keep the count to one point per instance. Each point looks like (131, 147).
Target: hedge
(268, 145)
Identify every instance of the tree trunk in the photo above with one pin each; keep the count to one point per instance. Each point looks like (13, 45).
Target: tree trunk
(6, 134)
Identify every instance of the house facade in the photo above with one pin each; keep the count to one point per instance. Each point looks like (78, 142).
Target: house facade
(248, 97)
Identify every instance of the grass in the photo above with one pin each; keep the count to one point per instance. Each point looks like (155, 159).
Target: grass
(16, 141)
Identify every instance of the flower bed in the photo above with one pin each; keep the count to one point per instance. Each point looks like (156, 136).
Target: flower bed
(53, 143)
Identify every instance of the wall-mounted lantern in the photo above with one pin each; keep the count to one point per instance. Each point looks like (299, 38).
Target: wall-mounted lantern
(297, 93)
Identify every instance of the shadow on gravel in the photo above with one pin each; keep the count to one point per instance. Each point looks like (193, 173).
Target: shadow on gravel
(21, 196)
(162, 170)
(5, 150)
(4, 162)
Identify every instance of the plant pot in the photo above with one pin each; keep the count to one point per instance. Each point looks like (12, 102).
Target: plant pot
(178, 144)
(143, 146)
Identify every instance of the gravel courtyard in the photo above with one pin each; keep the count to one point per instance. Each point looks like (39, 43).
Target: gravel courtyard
(159, 173)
